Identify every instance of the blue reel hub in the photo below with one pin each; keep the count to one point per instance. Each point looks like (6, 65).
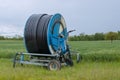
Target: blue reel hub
(57, 34)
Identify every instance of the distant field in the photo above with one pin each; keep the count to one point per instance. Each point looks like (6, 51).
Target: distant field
(89, 50)
(97, 50)
(9, 47)
(100, 61)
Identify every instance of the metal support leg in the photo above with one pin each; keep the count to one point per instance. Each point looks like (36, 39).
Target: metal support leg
(14, 60)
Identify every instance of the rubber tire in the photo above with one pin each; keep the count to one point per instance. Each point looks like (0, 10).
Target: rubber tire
(52, 63)
(69, 62)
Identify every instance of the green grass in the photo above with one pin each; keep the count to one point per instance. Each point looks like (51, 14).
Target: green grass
(96, 46)
(81, 71)
(8, 48)
(100, 61)
(89, 50)
(97, 50)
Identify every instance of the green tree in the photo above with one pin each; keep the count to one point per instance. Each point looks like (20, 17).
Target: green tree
(82, 36)
(2, 37)
(91, 38)
(111, 36)
(118, 35)
(99, 36)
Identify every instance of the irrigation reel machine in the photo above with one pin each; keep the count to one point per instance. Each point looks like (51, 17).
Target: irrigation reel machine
(45, 38)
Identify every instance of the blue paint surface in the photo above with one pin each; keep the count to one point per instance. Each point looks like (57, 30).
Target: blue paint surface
(53, 38)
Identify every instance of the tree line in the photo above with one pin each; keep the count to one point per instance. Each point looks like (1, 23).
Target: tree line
(97, 36)
(16, 37)
(81, 37)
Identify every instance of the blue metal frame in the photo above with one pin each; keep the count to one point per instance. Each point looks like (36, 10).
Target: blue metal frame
(21, 59)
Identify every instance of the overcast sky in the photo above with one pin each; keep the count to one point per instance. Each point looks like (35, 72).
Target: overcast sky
(86, 16)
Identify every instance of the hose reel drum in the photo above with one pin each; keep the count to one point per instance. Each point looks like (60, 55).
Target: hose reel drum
(45, 34)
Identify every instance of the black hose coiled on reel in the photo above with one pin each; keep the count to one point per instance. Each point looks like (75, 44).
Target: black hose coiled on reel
(35, 33)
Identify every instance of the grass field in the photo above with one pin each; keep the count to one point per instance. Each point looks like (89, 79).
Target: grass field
(8, 48)
(89, 50)
(97, 50)
(81, 71)
(100, 61)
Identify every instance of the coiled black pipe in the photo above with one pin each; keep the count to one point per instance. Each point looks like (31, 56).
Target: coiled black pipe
(35, 33)
(45, 34)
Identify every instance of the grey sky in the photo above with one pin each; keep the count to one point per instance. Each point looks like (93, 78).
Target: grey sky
(88, 16)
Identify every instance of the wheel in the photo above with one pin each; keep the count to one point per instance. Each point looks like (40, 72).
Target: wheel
(69, 62)
(54, 65)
